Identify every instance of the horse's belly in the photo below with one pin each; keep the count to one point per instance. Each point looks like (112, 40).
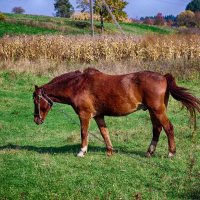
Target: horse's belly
(124, 109)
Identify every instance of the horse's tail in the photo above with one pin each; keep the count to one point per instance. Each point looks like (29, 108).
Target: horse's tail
(182, 94)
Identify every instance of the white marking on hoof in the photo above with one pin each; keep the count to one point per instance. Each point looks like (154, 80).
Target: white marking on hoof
(152, 147)
(171, 155)
(82, 152)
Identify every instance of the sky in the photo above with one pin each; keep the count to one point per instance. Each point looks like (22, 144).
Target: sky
(135, 8)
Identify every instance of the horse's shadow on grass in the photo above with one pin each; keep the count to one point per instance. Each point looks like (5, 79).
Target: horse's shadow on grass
(72, 149)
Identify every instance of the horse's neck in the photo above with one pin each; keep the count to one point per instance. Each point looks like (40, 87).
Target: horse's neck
(62, 90)
(58, 94)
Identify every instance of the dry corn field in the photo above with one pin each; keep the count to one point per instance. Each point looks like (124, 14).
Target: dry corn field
(85, 49)
(180, 51)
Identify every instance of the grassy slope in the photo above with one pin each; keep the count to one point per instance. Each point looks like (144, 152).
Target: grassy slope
(68, 26)
(13, 29)
(38, 162)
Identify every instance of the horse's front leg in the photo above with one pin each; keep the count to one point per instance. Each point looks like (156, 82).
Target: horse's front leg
(104, 132)
(84, 135)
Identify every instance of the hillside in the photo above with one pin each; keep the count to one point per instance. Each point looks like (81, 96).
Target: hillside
(16, 24)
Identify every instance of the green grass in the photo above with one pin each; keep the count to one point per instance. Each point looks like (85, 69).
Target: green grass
(34, 24)
(39, 162)
(18, 29)
(143, 28)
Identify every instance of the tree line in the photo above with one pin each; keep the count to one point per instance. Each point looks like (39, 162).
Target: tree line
(186, 18)
(189, 18)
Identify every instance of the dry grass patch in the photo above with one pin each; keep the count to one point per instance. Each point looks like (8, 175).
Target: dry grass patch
(86, 49)
(178, 54)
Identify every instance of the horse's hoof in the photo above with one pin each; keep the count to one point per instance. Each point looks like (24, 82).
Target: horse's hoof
(148, 154)
(81, 154)
(109, 152)
(171, 155)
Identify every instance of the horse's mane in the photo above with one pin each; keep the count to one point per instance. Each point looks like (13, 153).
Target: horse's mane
(65, 77)
(72, 77)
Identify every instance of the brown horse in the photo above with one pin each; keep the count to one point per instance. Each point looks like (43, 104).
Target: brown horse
(93, 94)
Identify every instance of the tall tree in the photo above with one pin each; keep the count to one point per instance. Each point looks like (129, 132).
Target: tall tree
(100, 9)
(116, 6)
(63, 8)
(194, 6)
(84, 5)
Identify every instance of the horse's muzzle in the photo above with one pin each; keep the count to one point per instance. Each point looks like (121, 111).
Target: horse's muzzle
(38, 120)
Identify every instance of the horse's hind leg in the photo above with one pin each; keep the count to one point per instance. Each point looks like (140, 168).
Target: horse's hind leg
(157, 128)
(104, 132)
(169, 130)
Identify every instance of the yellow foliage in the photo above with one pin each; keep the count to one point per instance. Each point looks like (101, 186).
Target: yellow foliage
(2, 17)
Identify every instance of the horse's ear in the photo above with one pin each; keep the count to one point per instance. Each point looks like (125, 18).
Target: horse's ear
(36, 87)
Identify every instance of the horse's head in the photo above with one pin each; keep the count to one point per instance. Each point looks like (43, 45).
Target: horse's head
(42, 105)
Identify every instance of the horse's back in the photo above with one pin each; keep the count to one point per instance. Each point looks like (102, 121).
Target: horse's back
(121, 94)
(143, 82)
(113, 94)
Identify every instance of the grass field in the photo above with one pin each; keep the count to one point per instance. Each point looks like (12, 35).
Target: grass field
(39, 162)
(17, 29)
(26, 24)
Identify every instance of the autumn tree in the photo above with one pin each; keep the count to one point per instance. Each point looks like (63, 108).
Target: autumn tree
(116, 6)
(194, 6)
(2, 17)
(197, 19)
(63, 8)
(18, 10)
(148, 21)
(159, 20)
(169, 22)
(186, 18)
